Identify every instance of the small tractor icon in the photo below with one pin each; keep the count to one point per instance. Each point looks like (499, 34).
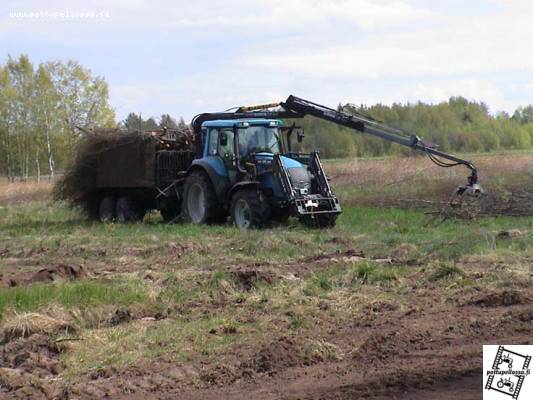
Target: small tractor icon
(506, 383)
(506, 359)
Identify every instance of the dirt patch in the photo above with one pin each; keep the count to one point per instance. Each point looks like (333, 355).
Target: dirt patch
(380, 346)
(246, 278)
(381, 306)
(120, 316)
(61, 271)
(278, 356)
(43, 275)
(37, 354)
(510, 234)
(497, 299)
(29, 367)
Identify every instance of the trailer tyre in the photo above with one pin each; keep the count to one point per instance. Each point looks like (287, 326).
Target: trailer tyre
(249, 210)
(128, 210)
(107, 209)
(200, 201)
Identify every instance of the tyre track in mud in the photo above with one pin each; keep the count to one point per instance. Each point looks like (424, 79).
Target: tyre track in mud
(434, 353)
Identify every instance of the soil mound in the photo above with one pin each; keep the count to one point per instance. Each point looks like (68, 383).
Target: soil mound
(498, 299)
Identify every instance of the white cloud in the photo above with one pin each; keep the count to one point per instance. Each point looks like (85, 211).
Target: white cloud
(246, 52)
(284, 14)
(489, 45)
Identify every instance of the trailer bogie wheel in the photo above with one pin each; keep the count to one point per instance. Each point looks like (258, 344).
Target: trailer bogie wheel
(128, 210)
(320, 221)
(200, 201)
(248, 210)
(107, 209)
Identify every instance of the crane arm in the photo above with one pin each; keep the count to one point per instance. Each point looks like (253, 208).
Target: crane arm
(295, 107)
(369, 126)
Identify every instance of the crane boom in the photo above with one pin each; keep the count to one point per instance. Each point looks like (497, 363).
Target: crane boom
(295, 107)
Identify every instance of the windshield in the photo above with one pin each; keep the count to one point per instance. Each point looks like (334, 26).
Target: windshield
(255, 139)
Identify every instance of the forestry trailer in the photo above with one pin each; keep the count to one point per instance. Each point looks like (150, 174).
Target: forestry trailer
(244, 167)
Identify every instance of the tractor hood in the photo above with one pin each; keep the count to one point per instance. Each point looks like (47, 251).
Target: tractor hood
(297, 172)
(287, 162)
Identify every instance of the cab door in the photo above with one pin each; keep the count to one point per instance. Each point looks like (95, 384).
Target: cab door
(226, 151)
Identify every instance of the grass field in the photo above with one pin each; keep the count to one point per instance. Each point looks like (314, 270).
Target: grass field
(157, 310)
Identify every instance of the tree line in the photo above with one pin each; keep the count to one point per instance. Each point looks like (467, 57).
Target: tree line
(458, 125)
(42, 105)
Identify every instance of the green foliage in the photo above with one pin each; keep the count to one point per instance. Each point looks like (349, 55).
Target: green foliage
(40, 109)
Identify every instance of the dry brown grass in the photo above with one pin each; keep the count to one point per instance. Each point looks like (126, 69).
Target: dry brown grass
(19, 192)
(24, 324)
(391, 171)
(417, 182)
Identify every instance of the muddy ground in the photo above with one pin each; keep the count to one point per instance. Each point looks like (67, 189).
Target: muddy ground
(429, 347)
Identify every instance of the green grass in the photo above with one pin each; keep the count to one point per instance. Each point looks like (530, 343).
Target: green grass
(53, 231)
(81, 294)
(170, 340)
(447, 271)
(351, 277)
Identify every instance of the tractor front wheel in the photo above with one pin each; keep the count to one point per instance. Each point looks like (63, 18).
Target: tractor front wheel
(249, 210)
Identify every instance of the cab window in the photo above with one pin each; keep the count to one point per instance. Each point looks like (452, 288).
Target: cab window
(227, 149)
(213, 142)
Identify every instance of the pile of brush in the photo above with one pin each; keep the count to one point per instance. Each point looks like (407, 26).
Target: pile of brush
(78, 184)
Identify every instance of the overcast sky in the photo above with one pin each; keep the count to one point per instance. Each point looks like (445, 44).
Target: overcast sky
(187, 57)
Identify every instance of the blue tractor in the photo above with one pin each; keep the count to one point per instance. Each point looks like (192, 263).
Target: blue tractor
(245, 166)
(246, 169)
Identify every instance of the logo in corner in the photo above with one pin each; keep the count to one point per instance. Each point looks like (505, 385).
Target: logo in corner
(506, 377)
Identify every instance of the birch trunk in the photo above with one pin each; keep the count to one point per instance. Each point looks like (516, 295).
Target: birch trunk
(49, 152)
(38, 167)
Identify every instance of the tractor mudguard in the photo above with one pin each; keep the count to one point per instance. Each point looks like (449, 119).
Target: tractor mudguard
(220, 183)
(241, 185)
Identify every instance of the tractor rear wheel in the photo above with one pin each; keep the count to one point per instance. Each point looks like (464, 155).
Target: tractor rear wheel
(107, 209)
(320, 221)
(128, 210)
(200, 201)
(249, 210)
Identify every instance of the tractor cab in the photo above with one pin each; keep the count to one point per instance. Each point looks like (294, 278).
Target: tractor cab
(239, 140)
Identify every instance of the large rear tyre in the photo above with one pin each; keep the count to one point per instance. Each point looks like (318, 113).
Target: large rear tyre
(200, 201)
(128, 210)
(107, 209)
(249, 210)
(319, 221)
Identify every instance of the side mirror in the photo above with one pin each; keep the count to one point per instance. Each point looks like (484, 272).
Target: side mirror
(300, 135)
(223, 139)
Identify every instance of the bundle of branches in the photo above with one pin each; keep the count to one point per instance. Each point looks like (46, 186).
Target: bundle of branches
(78, 184)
